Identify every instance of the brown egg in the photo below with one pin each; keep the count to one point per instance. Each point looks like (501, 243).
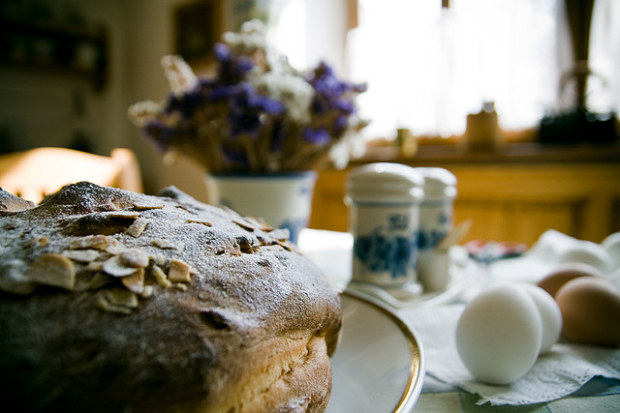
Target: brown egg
(566, 272)
(590, 308)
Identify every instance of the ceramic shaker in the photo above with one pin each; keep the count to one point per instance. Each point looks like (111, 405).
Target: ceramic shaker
(384, 211)
(436, 221)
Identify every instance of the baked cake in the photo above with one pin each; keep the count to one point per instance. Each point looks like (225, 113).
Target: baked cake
(117, 301)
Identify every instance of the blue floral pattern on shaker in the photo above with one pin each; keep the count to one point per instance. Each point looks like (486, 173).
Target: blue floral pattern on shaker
(429, 239)
(382, 253)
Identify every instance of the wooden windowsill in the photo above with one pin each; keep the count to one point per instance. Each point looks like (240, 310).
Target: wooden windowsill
(514, 193)
(524, 152)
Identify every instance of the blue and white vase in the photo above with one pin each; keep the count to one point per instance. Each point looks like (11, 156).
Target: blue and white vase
(283, 200)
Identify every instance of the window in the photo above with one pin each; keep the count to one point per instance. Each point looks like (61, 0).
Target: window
(428, 66)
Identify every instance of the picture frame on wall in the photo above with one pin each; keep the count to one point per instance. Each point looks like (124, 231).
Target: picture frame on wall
(197, 29)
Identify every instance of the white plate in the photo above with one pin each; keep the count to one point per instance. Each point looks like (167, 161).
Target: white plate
(378, 366)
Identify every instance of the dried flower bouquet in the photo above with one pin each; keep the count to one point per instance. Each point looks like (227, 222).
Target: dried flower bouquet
(257, 114)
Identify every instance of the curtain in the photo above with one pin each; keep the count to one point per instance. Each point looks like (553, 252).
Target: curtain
(428, 66)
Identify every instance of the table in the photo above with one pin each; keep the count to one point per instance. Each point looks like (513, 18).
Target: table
(332, 252)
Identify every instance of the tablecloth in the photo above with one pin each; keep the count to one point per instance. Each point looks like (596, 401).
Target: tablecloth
(332, 252)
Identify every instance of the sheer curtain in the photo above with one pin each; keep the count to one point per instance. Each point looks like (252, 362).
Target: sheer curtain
(604, 88)
(428, 66)
(434, 65)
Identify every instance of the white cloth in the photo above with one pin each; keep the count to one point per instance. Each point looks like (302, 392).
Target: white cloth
(556, 374)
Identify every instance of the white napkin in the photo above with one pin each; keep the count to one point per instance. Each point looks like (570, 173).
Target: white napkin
(556, 374)
(549, 252)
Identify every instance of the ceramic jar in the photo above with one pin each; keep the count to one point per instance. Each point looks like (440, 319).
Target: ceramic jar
(437, 208)
(384, 211)
(436, 221)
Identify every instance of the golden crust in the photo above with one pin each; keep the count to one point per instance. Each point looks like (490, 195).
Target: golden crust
(221, 317)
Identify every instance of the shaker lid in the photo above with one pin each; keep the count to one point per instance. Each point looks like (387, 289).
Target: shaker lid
(385, 181)
(438, 182)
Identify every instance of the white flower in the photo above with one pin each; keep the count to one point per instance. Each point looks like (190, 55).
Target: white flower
(179, 74)
(253, 35)
(294, 92)
(142, 112)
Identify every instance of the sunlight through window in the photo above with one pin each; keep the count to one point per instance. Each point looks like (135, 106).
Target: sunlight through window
(428, 66)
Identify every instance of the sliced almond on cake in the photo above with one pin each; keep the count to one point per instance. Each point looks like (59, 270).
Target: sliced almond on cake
(54, 270)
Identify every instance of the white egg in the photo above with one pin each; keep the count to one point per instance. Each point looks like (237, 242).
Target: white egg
(550, 315)
(499, 334)
(589, 253)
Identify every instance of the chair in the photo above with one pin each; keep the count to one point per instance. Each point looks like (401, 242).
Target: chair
(38, 172)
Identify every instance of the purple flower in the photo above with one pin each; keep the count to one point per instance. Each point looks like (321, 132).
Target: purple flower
(222, 52)
(318, 136)
(184, 104)
(247, 107)
(333, 98)
(232, 68)
(341, 123)
(260, 102)
(220, 92)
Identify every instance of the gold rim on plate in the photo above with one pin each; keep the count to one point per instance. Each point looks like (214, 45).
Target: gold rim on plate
(416, 372)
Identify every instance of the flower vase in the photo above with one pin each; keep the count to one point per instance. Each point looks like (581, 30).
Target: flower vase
(283, 200)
